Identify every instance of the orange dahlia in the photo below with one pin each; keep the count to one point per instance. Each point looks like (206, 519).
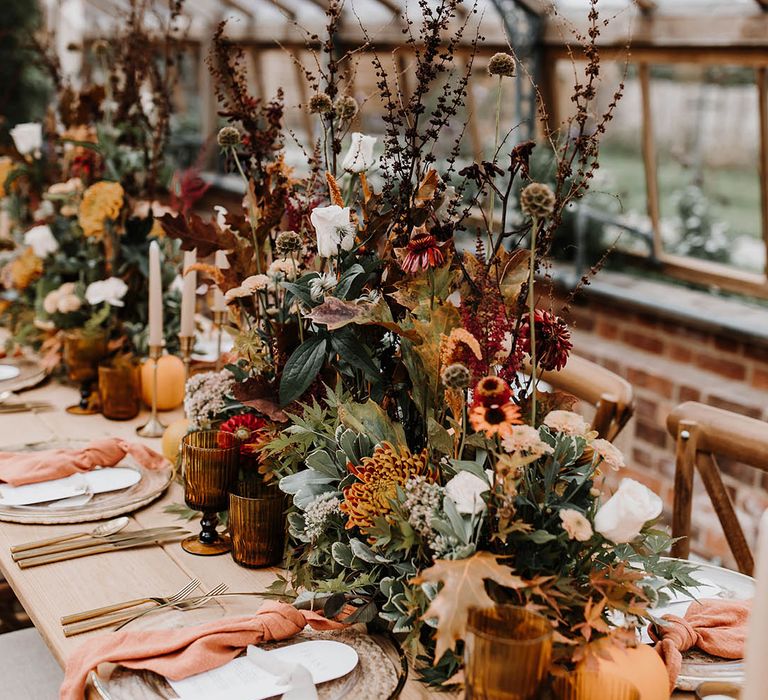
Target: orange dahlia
(379, 476)
(25, 269)
(102, 201)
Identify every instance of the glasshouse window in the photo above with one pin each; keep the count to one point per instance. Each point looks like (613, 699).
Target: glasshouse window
(706, 122)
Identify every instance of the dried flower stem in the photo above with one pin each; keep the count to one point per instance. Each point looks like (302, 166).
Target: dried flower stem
(492, 197)
(532, 315)
(251, 211)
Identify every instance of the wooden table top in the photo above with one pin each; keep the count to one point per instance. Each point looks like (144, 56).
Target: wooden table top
(49, 592)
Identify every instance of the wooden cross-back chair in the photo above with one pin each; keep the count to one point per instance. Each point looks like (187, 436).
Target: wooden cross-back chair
(611, 395)
(703, 434)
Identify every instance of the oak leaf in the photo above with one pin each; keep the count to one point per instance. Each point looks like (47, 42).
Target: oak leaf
(193, 233)
(463, 588)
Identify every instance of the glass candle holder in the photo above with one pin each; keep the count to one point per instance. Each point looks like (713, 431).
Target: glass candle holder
(257, 523)
(209, 462)
(82, 351)
(507, 652)
(120, 390)
(593, 685)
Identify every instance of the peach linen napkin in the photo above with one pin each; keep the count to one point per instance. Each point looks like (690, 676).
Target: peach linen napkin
(19, 468)
(717, 627)
(180, 653)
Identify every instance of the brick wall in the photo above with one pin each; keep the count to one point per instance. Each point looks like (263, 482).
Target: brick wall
(669, 362)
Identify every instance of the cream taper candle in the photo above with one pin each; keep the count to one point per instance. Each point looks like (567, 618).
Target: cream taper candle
(188, 295)
(755, 668)
(155, 296)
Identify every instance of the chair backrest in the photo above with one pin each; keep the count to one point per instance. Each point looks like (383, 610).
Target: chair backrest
(611, 395)
(703, 434)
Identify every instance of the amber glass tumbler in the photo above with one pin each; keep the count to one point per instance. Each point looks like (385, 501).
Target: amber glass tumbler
(257, 523)
(507, 652)
(120, 390)
(209, 462)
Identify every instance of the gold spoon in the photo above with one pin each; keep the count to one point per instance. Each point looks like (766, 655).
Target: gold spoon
(104, 530)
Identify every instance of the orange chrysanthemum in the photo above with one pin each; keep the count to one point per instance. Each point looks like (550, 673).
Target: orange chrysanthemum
(102, 202)
(379, 476)
(494, 419)
(6, 165)
(25, 269)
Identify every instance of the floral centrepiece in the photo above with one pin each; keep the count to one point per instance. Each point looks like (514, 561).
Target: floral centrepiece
(389, 331)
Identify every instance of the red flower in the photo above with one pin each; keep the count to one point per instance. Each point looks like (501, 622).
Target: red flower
(247, 428)
(491, 391)
(422, 253)
(553, 340)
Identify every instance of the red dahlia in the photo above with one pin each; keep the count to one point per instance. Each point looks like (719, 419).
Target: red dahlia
(553, 340)
(247, 428)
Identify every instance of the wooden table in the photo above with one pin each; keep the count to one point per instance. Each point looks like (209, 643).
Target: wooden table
(48, 592)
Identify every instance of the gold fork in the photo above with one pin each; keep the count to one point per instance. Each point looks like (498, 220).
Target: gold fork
(115, 607)
(122, 619)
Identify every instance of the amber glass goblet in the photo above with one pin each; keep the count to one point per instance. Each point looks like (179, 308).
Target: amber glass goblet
(257, 523)
(120, 390)
(210, 463)
(593, 685)
(507, 652)
(83, 350)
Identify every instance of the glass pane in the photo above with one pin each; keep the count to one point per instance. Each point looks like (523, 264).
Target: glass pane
(707, 133)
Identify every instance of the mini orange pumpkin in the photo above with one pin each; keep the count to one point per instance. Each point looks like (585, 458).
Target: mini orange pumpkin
(172, 439)
(640, 665)
(170, 382)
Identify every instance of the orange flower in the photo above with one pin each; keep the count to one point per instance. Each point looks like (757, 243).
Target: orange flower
(6, 165)
(379, 476)
(494, 419)
(25, 269)
(102, 201)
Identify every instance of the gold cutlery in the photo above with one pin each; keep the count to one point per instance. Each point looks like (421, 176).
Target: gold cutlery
(101, 548)
(111, 527)
(116, 607)
(23, 407)
(124, 618)
(112, 539)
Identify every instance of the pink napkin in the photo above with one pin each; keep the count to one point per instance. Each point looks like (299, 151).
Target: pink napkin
(179, 653)
(717, 627)
(18, 468)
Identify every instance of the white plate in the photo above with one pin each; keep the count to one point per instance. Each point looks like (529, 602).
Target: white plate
(717, 582)
(96, 481)
(8, 372)
(242, 679)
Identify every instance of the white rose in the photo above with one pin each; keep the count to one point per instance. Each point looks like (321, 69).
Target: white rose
(28, 137)
(41, 240)
(465, 490)
(334, 230)
(622, 516)
(360, 154)
(111, 291)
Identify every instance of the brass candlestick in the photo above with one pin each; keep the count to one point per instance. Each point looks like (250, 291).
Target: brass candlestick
(218, 320)
(153, 428)
(186, 343)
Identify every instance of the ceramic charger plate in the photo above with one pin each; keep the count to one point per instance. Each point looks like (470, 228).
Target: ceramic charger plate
(149, 485)
(379, 674)
(17, 373)
(697, 666)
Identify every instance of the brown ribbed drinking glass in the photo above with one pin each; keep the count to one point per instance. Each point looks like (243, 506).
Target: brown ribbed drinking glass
(209, 462)
(257, 523)
(507, 652)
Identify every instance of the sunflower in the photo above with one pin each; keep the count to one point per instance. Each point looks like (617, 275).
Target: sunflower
(379, 476)
(102, 201)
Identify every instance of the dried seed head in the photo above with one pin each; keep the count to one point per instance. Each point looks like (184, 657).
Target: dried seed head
(537, 200)
(502, 64)
(288, 242)
(320, 103)
(455, 376)
(346, 108)
(228, 137)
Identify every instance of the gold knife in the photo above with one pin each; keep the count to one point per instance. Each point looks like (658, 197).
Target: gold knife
(127, 544)
(84, 544)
